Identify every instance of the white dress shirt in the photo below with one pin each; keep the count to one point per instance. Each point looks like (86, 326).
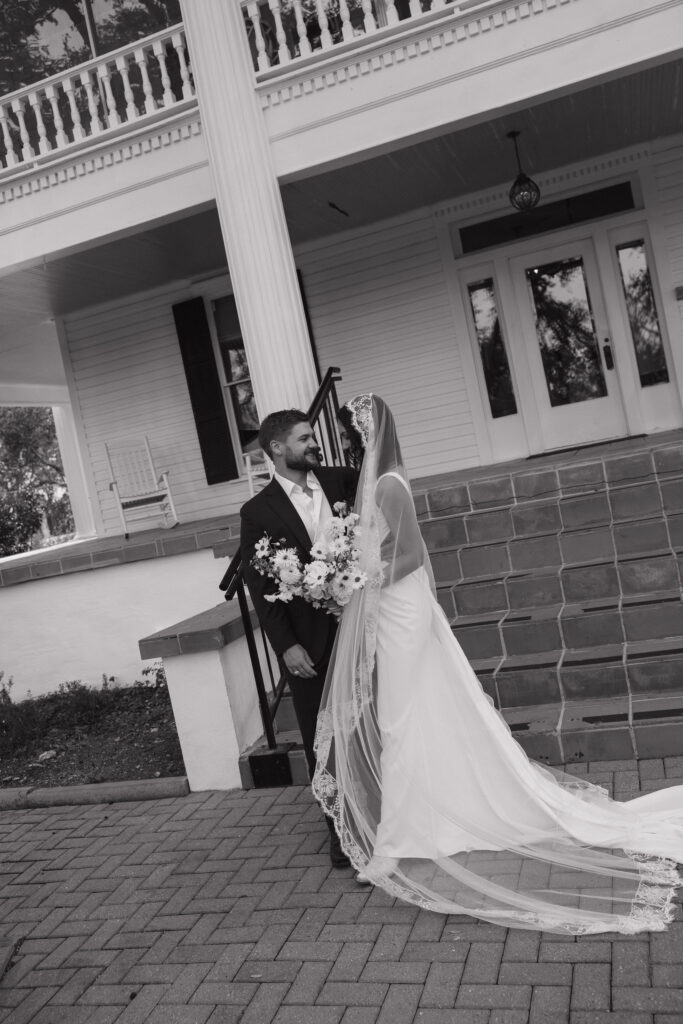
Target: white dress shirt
(313, 511)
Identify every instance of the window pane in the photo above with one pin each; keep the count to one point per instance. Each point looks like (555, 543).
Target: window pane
(234, 360)
(565, 331)
(236, 367)
(246, 417)
(230, 339)
(642, 313)
(492, 349)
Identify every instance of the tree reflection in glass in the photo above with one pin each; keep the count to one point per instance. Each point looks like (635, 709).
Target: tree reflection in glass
(566, 332)
(240, 390)
(492, 352)
(642, 313)
(236, 367)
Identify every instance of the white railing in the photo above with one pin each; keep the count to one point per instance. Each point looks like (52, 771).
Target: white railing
(119, 88)
(284, 31)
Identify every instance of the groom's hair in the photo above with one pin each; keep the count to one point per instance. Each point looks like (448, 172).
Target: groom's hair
(277, 425)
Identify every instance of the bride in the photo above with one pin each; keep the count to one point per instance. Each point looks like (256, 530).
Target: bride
(431, 796)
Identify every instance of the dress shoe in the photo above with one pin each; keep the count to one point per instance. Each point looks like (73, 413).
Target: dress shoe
(361, 879)
(338, 858)
(376, 866)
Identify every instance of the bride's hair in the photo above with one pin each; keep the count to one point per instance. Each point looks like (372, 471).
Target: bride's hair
(354, 453)
(376, 427)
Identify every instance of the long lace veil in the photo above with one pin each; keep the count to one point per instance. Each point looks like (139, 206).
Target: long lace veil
(483, 831)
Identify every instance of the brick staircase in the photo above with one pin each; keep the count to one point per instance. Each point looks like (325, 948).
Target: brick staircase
(561, 576)
(562, 579)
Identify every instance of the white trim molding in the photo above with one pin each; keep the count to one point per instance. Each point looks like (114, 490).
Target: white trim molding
(100, 156)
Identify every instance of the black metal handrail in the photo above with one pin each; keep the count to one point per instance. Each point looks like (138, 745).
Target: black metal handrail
(325, 406)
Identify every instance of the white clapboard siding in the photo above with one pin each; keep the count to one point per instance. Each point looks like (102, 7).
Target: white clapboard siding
(668, 169)
(130, 382)
(380, 311)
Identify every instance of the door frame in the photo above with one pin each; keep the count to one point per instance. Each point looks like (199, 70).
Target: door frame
(525, 436)
(558, 424)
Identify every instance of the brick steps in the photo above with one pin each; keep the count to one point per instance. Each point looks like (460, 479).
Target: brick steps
(618, 700)
(612, 701)
(563, 585)
(570, 626)
(562, 582)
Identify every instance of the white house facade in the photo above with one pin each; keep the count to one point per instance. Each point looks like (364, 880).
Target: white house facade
(198, 224)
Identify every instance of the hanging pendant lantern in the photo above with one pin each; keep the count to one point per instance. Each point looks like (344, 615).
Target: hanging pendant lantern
(524, 192)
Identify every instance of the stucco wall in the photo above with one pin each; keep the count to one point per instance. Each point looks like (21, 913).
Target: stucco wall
(85, 624)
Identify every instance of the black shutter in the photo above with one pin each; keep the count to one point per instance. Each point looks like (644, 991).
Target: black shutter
(205, 390)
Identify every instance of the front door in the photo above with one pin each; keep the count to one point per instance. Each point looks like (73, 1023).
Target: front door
(565, 332)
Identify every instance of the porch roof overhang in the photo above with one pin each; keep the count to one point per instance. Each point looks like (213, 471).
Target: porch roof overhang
(638, 109)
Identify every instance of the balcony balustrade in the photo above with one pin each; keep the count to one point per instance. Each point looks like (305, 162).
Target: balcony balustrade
(131, 85)
(153, 76)
(284, 32)
(151, 79)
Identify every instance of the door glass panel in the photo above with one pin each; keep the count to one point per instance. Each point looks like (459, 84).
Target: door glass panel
(492, 352)
(565, 330)
(642, 313)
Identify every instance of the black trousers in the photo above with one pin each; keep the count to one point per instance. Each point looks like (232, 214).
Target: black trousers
(306, 697)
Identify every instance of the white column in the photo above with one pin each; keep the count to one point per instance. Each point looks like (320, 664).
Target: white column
(67, 439)
(250, 207)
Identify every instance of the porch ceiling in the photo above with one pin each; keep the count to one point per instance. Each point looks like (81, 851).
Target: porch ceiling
(185, 248)
(634, 109)
(615, 115)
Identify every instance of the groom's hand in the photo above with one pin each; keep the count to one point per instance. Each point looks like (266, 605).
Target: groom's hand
(298, 662)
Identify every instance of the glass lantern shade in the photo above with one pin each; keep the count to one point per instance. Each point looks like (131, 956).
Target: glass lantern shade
(524, 193)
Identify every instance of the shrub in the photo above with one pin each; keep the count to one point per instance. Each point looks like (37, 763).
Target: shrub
(74, 707)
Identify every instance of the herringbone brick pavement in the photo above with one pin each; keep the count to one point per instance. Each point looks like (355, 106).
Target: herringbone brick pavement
(223, 908)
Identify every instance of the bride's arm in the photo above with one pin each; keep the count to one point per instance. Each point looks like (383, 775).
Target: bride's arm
(402, 551)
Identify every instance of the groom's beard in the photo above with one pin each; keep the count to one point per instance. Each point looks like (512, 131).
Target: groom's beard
(309, 460)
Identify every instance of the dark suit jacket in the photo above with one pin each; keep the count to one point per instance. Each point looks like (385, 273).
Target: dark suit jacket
(271, 512)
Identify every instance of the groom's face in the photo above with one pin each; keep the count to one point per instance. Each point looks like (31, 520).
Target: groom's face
(301, 449)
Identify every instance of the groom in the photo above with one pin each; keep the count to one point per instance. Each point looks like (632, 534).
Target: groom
(295, 507)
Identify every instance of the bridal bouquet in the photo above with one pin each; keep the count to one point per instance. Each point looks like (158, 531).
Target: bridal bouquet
(329, 580)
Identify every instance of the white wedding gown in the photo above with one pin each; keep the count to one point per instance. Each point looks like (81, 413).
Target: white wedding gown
(449, 759)
(431, 795)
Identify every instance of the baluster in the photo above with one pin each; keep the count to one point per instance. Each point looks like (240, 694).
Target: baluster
(26, 148)
(369, 23)
(10, 157)
(304, 44)
(347, 27)
(35, 102)
(112, 115)
(179, 47)
(168, 99)
(131, 109)
(415, 8)
(325, 37)
(77, 130)
(438, 5)
(141, 61)
(282, 48)
(262, 60)
(95, 123)
(60, 134)
(391, 12)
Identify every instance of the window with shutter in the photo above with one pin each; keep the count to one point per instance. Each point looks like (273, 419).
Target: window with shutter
(208, 406)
